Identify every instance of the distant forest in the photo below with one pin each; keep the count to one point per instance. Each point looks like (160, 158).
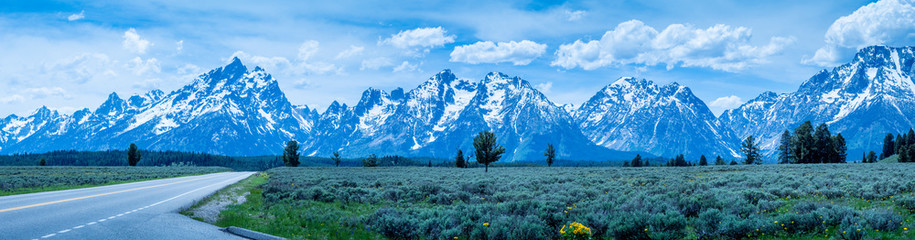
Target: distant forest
(173, 158)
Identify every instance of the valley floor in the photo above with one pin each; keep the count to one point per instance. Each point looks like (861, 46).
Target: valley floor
(29, 179)
(821, 201)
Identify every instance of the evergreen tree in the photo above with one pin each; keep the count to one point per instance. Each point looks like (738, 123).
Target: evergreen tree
(802, 143)
(733, 162)
(863, 158)
(719, 160)
(900, 141)
(487, 151)
(840, 149)
(784, 148)
(637, 161)
(910, 137)
(871, 157)
(647, 163)
(750, 150)
(371, 161)
(133, 155)
(336, 158)
(430, 163)
(550, 155)
(823, 148)
(904, 154)
(703, 161)
(625, 163)
(889, 146)
(291, 154)
(459, 159)
(42, 162)
(680, 161)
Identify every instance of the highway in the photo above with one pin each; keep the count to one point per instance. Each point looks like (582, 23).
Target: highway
(140, 210)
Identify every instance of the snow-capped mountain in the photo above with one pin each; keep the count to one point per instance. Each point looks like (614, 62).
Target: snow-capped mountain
(229, 110)
(444, 113)
(638, 115)
(864, 100)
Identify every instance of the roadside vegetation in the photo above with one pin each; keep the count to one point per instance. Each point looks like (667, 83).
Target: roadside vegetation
(823, 201)
(20, 180)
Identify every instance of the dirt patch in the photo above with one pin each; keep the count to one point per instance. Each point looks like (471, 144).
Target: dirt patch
(209, 211)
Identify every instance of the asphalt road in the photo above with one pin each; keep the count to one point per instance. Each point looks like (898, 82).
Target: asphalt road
(140, 210)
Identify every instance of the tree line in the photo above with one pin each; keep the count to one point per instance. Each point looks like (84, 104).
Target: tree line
(902, 145)
(809, 145)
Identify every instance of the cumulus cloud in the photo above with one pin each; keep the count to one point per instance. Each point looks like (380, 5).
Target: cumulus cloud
(352, 51)
(544, 87)
(886, 22)
(308, 49)
(420, 37)
(132, 42)
(140, 66)
(406, 67)
(81, 69)
(518, 53)
(15, 98)
(729, 102)
(720, 47)
(376, 63)
(76, 16)
(575, 15)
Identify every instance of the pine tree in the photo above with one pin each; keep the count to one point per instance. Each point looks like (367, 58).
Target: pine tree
(863, 158)
(133, 155)
(840, 148)
(371, 161)
(550, 155)
(459, 159)
(336, 158)
(904, 154)
(291, 154)
(784, 148)
(910, 137)
(733, 162)
(871, 157)
(889, 146)
(900, 141)
(680, 161)
(823, 148)
(42, 162)
(637, 161)
(703, 161)
(487, 151)
(625, 163)
(719, 160)
(802, 143)
(750, 150)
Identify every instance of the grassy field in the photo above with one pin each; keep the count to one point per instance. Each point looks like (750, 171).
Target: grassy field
(19, 180)
(823, 201)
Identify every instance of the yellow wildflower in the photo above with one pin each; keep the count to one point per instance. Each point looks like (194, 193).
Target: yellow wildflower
(486, 224)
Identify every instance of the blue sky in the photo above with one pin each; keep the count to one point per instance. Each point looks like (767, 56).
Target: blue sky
(71, 54)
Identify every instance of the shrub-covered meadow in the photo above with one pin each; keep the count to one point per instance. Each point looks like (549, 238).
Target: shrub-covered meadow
(827, 201)
(16, 180)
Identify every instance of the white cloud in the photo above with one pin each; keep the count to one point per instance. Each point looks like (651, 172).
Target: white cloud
(15, 98)
(44, 92)
(420, 37)
(274, 63)
(134, 43)
(886, 22)
(376, 63)
(406, 67)
(544, 87)
(719, 47)
(518, 53)
(729, 102)
(81, 69)
(77, 16)
(352, 51)
(140, 67)
(179, 46)
(575, 15)
(308, 49)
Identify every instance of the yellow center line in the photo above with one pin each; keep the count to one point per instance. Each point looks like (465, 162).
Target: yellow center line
(96, 195)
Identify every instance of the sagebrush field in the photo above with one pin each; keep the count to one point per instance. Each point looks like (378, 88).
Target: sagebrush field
(824, 201)
(18, 180)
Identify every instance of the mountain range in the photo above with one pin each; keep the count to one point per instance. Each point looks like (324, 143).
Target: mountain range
(234, 110)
